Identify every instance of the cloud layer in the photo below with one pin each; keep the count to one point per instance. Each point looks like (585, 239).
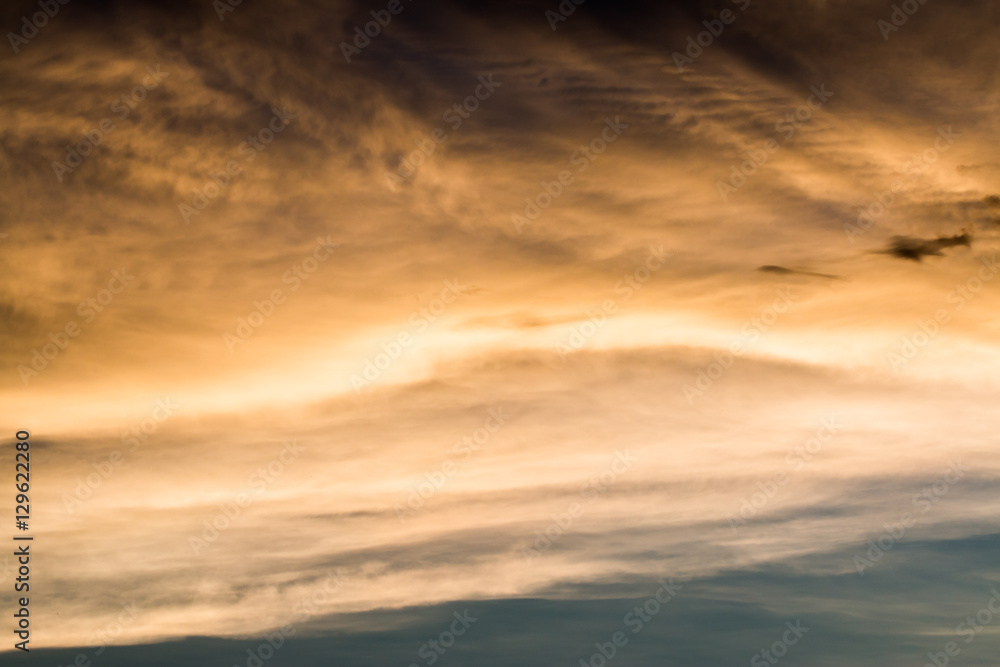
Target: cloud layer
(504, 317)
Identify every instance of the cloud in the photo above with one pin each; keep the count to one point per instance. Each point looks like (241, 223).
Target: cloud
(746, 609)
(578, 275)
(906, 247)
(781, 270)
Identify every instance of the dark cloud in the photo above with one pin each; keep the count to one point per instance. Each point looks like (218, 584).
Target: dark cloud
(781, 270)
(907, 247)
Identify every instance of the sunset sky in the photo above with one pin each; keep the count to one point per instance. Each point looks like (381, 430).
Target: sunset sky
(523, 312)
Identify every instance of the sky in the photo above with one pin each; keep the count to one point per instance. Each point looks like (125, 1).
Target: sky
(504, 333)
